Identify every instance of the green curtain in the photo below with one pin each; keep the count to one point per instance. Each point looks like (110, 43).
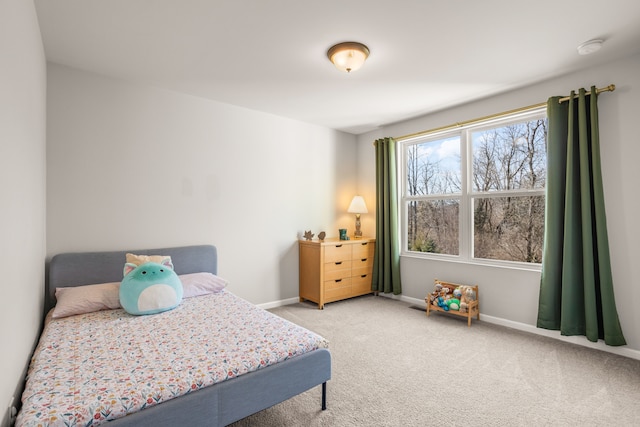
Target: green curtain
(576, 287)
(386, 260)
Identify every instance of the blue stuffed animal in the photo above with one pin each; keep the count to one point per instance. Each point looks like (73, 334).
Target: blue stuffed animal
(150, 288)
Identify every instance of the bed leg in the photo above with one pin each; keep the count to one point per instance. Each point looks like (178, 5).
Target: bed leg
(324, 396)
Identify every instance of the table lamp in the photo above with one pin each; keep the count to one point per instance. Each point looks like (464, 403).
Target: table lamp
(357, 207)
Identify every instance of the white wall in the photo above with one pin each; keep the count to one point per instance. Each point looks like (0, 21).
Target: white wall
(510, 296)
(22, 190)
(136, 167)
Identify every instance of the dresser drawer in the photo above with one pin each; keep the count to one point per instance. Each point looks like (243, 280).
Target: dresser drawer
(364, 250)
(337, 283)
(337, 252)
(337, 270)
(361, 266)
(337, 290)
(361, 284)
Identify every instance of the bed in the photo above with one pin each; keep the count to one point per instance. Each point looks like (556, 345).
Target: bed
(215, 393)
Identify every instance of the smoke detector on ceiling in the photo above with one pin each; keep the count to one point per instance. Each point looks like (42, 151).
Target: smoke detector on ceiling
(590, 46)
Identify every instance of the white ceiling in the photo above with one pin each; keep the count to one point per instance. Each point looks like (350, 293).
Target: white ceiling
(270, 55)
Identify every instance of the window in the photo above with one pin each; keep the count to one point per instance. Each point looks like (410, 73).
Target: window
(477, 192)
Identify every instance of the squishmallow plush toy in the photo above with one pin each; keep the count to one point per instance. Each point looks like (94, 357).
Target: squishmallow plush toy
(150, 288)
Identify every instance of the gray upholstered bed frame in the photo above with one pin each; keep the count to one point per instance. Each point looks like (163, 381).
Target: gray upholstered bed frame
(217, 405)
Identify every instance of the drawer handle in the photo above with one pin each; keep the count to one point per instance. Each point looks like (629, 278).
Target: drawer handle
(363, 260)
(364, 244)
(338, 246)
(363, 276)
(339, 262)
(338, 280)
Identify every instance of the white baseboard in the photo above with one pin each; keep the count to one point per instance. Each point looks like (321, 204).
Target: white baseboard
(279, 303)
(579, 340)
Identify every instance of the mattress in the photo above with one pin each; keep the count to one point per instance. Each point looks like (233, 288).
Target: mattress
(100, 366)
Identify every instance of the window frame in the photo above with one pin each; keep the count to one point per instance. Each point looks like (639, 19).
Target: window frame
(467, 194)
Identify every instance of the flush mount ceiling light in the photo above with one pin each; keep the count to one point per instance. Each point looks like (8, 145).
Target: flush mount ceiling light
(348, 56)
(589, 47)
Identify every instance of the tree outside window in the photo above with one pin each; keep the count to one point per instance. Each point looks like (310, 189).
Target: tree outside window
(478, 192)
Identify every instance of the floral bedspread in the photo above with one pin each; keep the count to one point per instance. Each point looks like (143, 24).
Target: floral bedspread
(95, 367)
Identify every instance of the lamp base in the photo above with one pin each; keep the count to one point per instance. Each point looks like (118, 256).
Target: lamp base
(358, 233)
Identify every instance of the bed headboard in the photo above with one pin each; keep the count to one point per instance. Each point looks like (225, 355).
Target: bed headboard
(86, 268)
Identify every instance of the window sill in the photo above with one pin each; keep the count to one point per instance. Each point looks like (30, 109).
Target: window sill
(480, 263)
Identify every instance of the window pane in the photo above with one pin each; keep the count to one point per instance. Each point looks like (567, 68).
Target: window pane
(510, 157)
(433, 226)
(434, 167)
(509, 228)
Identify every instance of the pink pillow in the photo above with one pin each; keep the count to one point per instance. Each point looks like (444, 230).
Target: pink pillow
(106, 296)
(85, 299)
(196, 284)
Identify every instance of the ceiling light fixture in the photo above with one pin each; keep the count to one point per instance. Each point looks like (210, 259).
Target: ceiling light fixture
(348, 56)
(590, 46)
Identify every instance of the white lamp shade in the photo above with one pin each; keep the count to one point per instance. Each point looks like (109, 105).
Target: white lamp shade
(358, 206)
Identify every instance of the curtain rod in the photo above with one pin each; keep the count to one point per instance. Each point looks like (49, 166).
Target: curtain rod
(609, 88)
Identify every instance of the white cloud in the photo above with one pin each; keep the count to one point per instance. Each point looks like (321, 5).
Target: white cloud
(449, 148)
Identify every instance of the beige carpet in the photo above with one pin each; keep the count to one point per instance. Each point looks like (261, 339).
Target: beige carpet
(393, 366)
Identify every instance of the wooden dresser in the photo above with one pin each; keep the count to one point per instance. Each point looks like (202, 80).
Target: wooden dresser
(333, 269)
